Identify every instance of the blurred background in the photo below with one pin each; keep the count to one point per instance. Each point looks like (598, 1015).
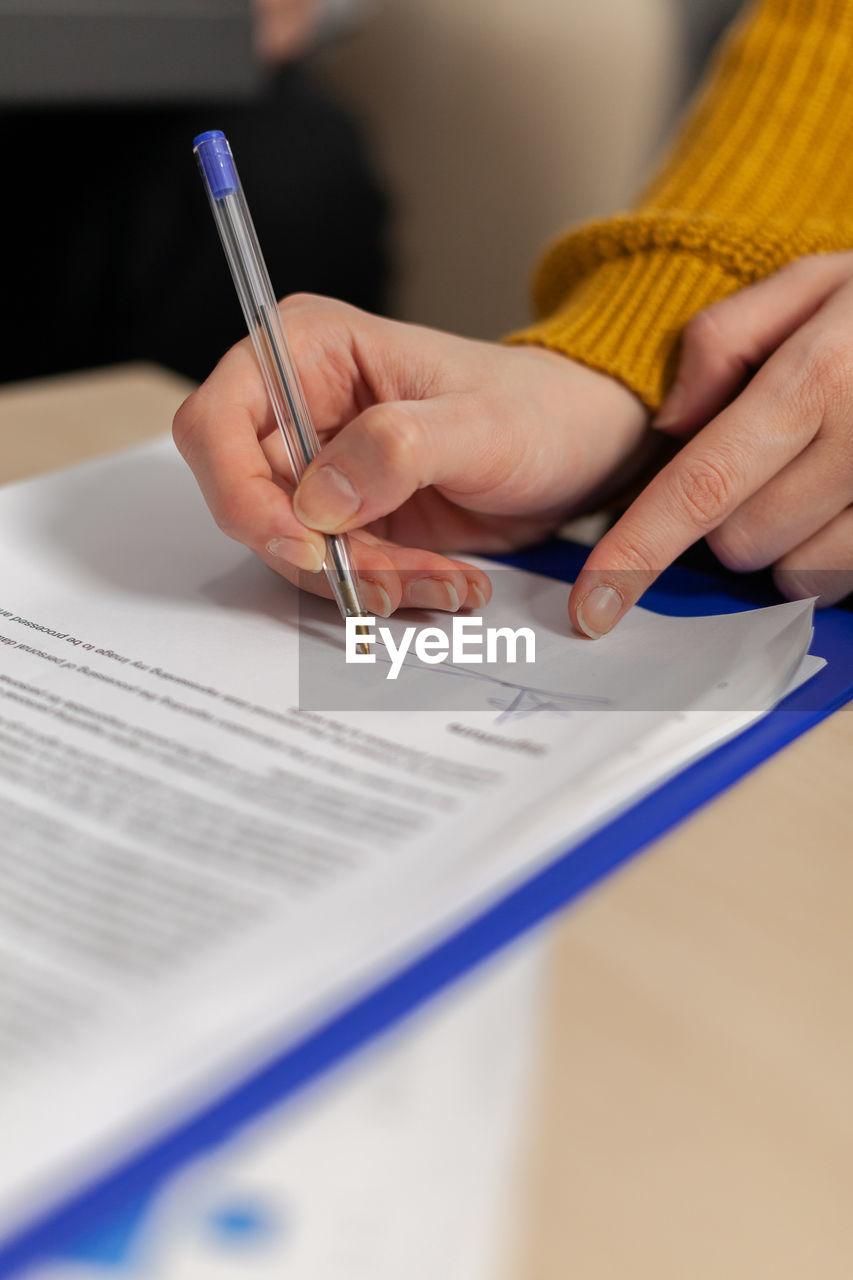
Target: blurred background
(409, 156)
(498, 123)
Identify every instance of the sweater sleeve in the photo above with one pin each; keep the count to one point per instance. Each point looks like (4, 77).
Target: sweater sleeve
(762, 173)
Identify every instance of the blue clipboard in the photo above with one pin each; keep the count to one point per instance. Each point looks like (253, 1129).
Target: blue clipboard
(94, 1223)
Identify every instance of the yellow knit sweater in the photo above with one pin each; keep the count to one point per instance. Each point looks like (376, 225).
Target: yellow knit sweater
(762, 173)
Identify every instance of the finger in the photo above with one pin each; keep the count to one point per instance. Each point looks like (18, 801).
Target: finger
(331, 343)
(432, 581)
(215, 427)
(392, 577)
(239, 486)
(324, 337)
(724, 344)
(389, 452)
(424, 579)
(821, 566)
(379, 584)
(708, 480)
(805, 496)
(348, 358)
(234, 387)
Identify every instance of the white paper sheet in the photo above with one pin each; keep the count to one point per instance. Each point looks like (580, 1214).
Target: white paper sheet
(409, 1161)
(195, 870)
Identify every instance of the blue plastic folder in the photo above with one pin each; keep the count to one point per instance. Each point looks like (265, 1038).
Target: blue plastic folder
(95, 1222)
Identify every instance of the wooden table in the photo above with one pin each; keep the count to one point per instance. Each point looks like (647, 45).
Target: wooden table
(694, 1119)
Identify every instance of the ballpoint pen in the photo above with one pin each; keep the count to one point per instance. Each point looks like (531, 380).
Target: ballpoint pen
(263, 319)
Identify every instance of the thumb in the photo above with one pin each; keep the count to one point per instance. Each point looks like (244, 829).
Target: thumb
(387, 453)
(722, 346)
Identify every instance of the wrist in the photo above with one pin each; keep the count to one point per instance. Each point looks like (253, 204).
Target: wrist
(609, 443)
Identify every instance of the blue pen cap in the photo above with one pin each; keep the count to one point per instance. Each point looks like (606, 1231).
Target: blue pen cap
(217, 163)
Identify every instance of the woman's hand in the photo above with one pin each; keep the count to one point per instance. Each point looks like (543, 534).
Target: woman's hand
(769, 480)
(430, 443)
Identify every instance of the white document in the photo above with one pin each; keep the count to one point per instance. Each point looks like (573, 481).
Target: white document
(408, 1161)
(195, 870)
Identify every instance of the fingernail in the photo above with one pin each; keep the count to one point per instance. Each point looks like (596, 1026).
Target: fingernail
(669, 414)
(326, 498)
(376, 598)
(479, 598)
(297, 551)
(432, 593)
(598, 611)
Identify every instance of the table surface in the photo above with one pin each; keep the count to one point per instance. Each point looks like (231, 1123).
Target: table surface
(694, 1110)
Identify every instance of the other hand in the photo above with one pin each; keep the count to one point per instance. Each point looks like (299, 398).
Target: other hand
(769, 479)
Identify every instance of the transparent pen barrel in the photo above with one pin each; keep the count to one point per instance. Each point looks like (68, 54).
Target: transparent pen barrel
(279, 372)
(266, 330)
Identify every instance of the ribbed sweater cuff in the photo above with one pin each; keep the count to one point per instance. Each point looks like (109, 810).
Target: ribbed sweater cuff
(617, 295)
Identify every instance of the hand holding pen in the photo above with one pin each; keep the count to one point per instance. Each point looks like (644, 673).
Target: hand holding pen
(429, 441)
(231, 438)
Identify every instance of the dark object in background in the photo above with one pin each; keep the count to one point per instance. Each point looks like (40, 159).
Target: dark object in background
(110, 253)
(124, 50)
